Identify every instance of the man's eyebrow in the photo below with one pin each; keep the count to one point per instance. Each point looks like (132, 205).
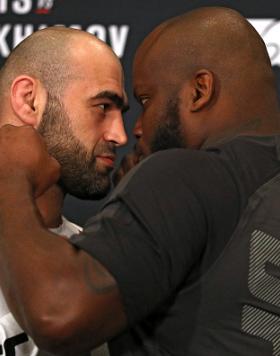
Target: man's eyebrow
(115, 98)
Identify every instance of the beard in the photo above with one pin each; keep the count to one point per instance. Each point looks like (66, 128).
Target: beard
(169, 133)
(80, 175)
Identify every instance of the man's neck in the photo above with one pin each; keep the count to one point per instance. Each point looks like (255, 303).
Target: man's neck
(50, 206)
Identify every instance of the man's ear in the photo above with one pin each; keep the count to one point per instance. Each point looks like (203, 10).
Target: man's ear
(28, 99)
(203, 88)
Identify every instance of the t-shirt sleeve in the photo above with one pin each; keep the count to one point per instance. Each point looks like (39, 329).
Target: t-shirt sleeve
(152, 230)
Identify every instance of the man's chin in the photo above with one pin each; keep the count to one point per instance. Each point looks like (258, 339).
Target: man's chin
(96, 191)
(104, 165)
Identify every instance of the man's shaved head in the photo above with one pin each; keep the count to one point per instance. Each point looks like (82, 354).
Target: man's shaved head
(214, 49)
(217, 38)
(46, 55)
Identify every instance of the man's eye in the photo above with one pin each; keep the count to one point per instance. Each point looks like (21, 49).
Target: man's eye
(103, 107)
(144, 101)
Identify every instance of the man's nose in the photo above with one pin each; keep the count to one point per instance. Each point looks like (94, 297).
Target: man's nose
(116, 132)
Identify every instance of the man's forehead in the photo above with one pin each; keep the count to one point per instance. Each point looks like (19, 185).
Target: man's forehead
(151, 71)
(100, 76)
(151, 59)
(93, 55)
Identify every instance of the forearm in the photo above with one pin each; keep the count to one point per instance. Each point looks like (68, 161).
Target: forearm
(25, 247)
(54, 290)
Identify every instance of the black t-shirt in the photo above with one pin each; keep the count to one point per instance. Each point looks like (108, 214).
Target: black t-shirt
(165, 235)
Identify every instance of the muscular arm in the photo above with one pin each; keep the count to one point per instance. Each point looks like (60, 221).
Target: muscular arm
(74, 298)
(66, 300)
(62, 297)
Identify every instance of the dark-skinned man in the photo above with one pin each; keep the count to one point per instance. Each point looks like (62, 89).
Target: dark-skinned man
(219, 64)
(175, 262)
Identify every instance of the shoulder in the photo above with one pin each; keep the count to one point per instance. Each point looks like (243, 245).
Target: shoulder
(243, 148)
(167, 164)
(237, 167)
(176, 168)
(241, 151)
(173, 179)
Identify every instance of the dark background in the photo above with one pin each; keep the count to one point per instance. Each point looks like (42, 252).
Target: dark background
(141, 17)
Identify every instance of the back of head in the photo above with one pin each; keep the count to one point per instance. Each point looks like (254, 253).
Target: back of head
(222, 41)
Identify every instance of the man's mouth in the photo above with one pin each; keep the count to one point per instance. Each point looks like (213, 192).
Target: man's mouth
(107, 159)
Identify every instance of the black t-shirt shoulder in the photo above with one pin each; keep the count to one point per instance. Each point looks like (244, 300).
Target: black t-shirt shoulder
(172, 215)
